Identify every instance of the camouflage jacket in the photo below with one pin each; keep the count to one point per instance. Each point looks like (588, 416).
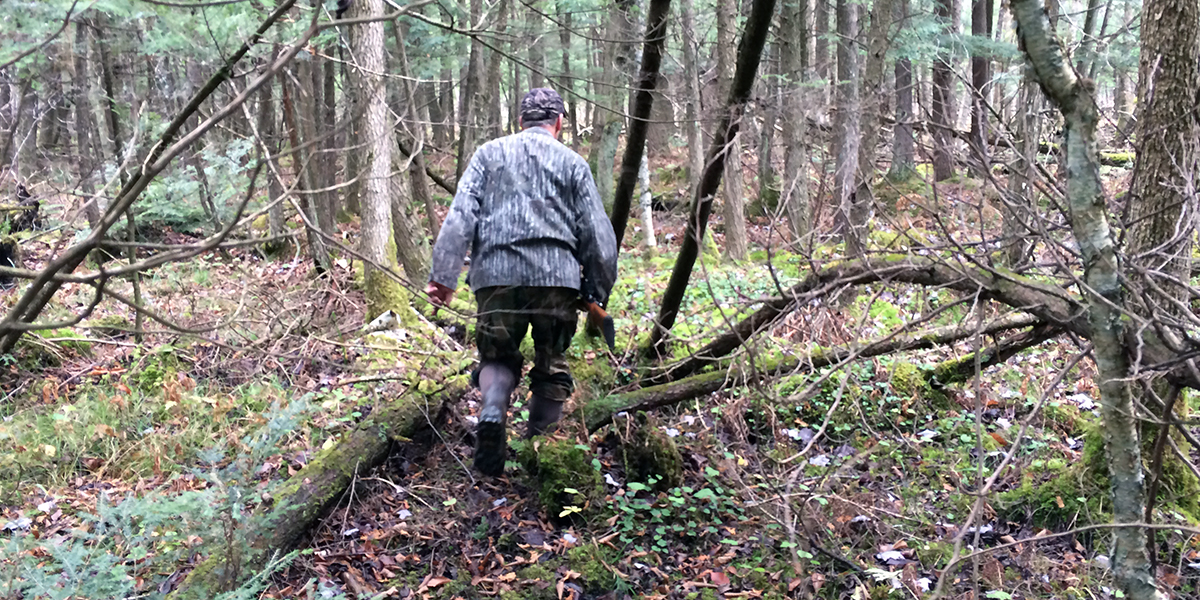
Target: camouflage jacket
(528, 209)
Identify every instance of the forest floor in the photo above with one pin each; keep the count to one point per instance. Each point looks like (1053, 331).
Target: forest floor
(849, 484)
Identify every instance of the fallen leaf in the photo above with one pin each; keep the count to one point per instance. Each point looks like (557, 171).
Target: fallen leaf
(719, 578)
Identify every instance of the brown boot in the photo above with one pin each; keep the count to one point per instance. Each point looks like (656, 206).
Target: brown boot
(496, 382)
(543, 414)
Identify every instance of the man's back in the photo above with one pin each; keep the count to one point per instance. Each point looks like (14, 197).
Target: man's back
(529, 210)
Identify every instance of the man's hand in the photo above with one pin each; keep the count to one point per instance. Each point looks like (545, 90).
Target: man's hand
(439, 294)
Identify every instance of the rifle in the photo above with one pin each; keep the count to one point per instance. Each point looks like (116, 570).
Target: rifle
(598, 321)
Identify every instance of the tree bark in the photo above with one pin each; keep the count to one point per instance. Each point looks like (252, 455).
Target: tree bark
(568, 81)
(609, 114)
(84, 124)
(1161, 205)
(421, 195)
(471, 84)
(1120, 93)
(317, 249)
(494, 126)
(646, 203)
(942, 108)
(847, 132)
(642, 103)
(691, 100)
(1018, 209)
(749, 54)
(1102, 275)
(536, 46)
(863, 202)
(270, 140)
(903, 160)
(378, 244)
(821, 60)
(793, 63)
(981, 29)
(734, 194)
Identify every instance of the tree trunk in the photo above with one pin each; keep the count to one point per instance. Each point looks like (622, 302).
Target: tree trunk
(471, 85)
(863, 202)
(494, 126)
(768, 188)
(847, 132)
(1162, 205)
(351, 116)
(107, 80)
(568, 81)
(749, 53)
(691, 87)
(1120, 93)
(314, 130)
(903, 161)
(1168, 81)
(421, 195)
(734, 196)
(609, 119)
(646, 203)
(821, 60)
(537, 51)
(641, 103)
(377, 245)
(793, 62)
(1018, 209)
(317, 248)
(942, 108)
(1102, 276)
(1087, 41)
(270, 140)
(330, 148)
(981, 28)
(84, 124)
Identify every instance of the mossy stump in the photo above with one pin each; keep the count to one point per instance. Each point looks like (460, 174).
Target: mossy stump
(564, 476)
(647, 452)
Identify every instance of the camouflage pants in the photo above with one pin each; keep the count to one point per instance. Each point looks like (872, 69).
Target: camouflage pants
(507, 313)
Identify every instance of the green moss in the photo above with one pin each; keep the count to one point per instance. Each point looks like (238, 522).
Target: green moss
(155, 368)
(1117, 159)
(591, 562)
(648, 452)
(911, 381)
(538, 572)
(557, 466)
(111, 326)
(907, 379)
(384, 294)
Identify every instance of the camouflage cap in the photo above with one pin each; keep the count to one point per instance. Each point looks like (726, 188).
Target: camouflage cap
(540, 105)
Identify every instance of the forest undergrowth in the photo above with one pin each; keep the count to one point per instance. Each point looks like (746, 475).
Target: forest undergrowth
(123, 463)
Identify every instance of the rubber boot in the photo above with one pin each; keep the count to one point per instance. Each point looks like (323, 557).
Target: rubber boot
(496, 382)
(543, 413)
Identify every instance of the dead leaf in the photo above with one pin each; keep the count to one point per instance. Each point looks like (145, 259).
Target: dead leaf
(818, 580)
(719, 578)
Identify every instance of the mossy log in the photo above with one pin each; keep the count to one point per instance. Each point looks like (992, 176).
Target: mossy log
(1053, 305)
(600, 412)
(298, 505)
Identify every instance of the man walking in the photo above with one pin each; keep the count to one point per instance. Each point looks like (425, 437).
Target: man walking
(528, 209)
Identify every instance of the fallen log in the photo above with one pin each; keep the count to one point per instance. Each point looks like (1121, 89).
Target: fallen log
(300, 502)
(1050, 304)
(598, 413)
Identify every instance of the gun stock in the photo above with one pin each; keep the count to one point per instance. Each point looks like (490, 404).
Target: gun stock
(599, 321)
